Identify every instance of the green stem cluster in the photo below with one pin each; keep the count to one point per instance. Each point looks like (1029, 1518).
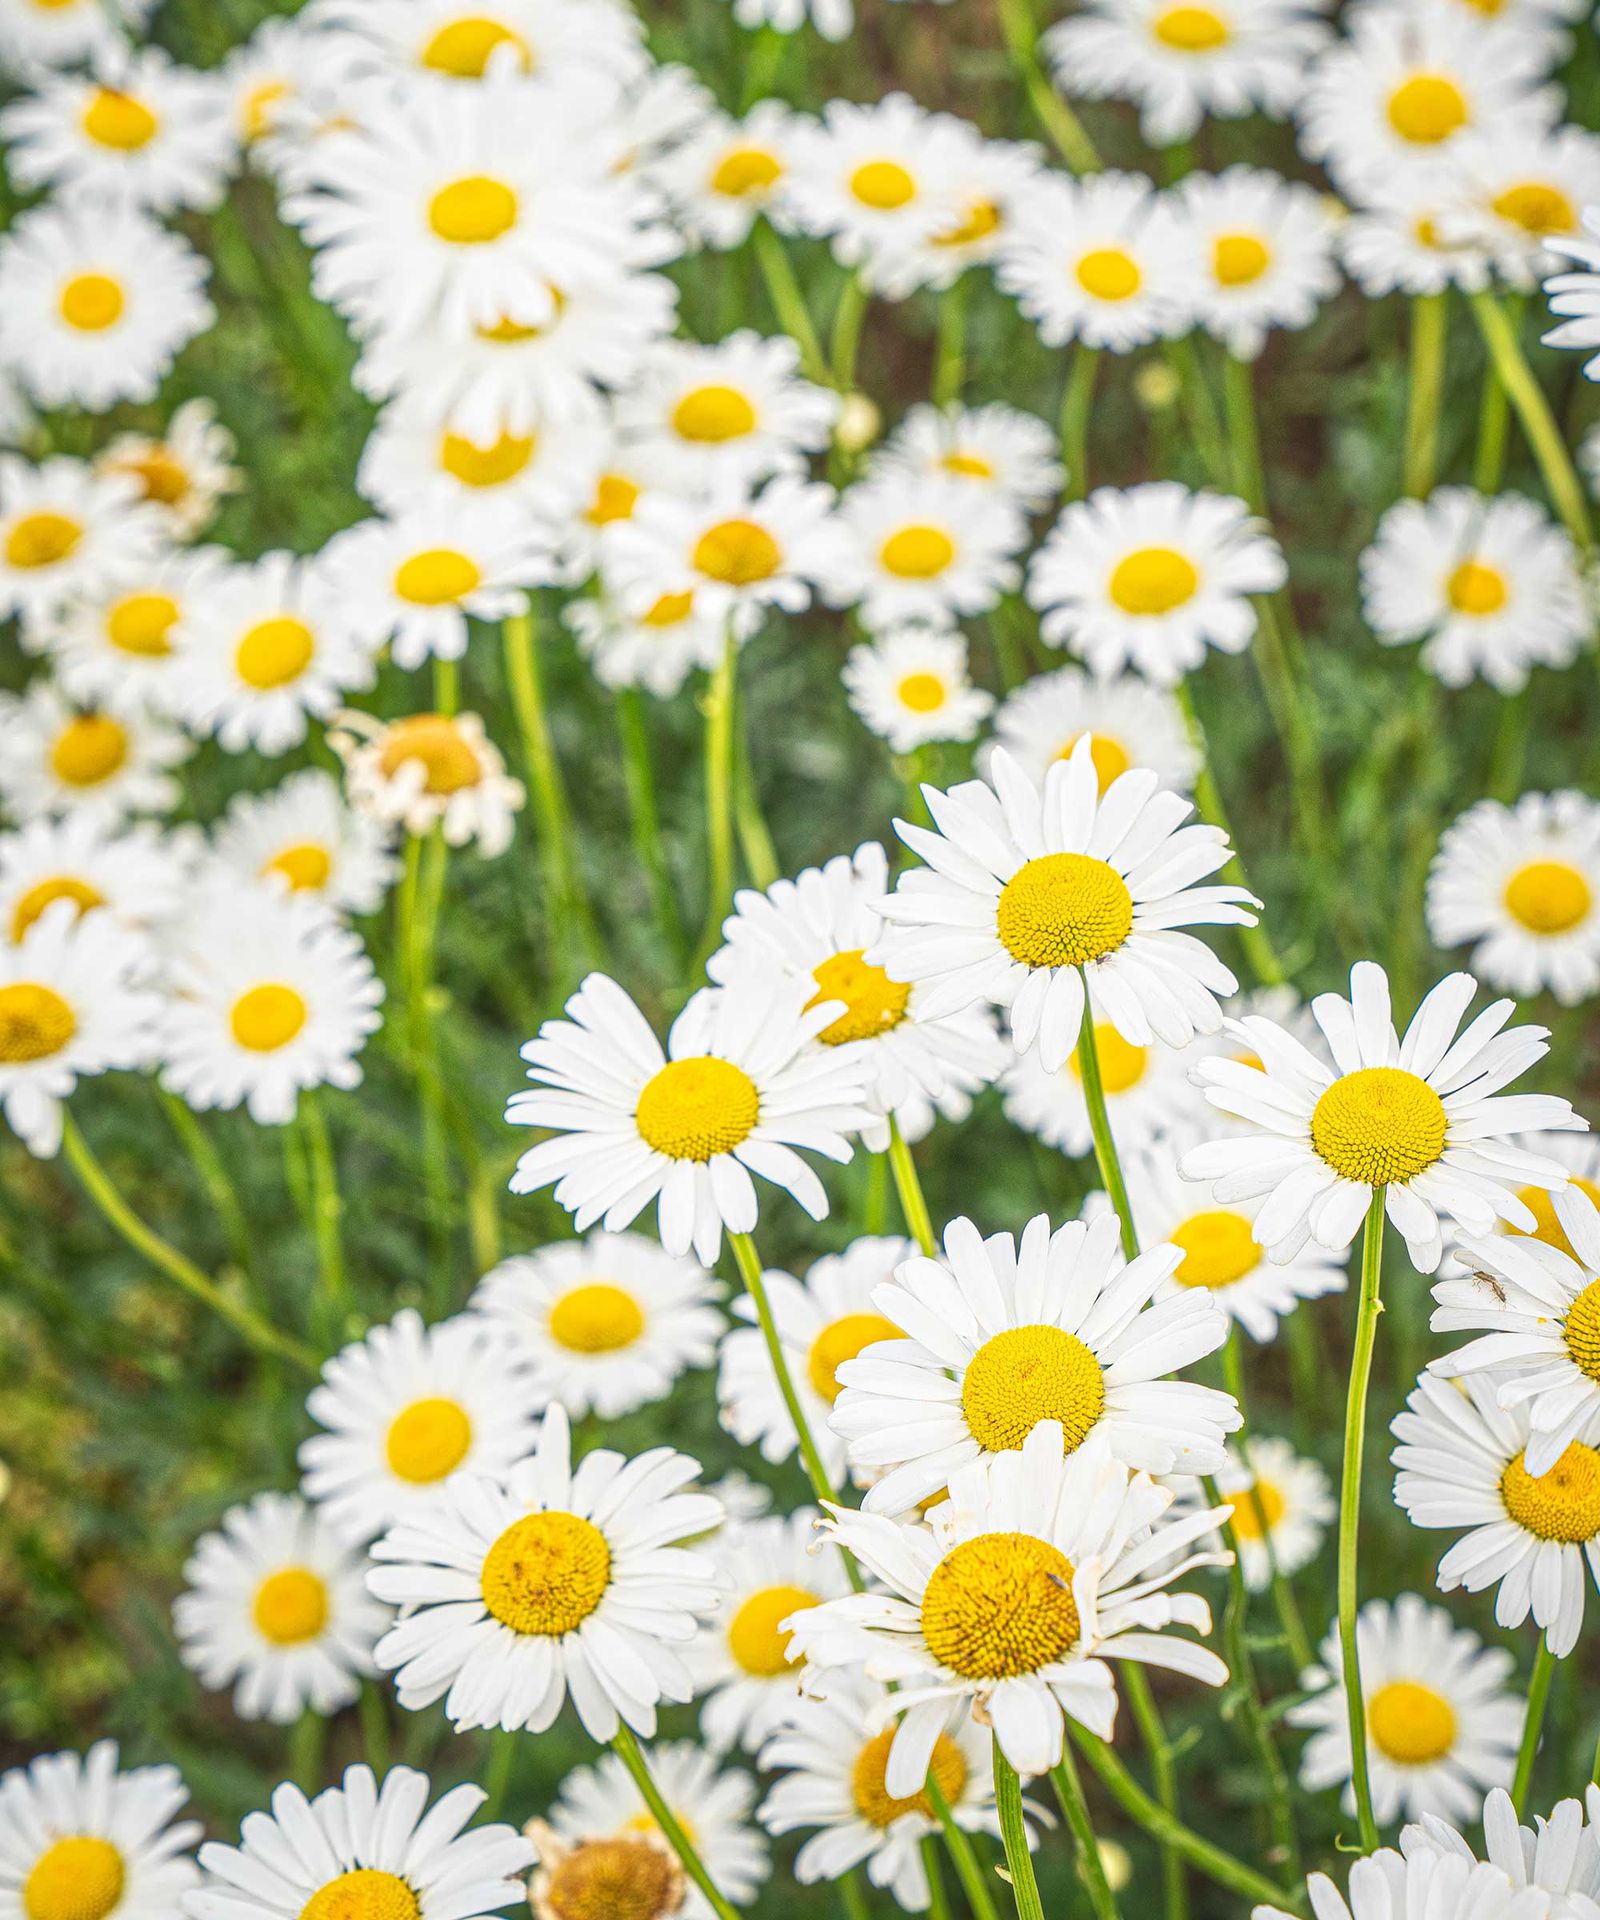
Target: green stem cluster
(1355, 1427)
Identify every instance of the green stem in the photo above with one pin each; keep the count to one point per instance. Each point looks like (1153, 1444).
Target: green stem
(1510, 745)
(306, 1744)
(852, 1897)
(849, 317)
(446, 685)
(788, 302)
(327, 1212)
(1105, 1147)
(1164, 1772)
(1494, 418)
(1425, 388)
(1355, 1423)
(497, 1775)
(1544, 1672)
(913, 1204)
(1014, 1835)
(1533, 411)
(719, 797)
(373, 1711)
(645, 817)
(421, 888)
(755, 838)
(950, 348)
(627, 1750)
(1183, 357)
(1065, 129)
(1091, 1868)
(1077, 400)
(938, 1904)
(963, 1858)
(208, 1164)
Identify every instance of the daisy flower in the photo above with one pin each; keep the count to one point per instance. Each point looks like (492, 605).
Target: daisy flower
(185, 470)
(831, 1777)
(767, 1570)
(429, 770)
(1461, 1463)
(265, 79)
(82, 1840)
(404, 1408)
(1150, 576)
(413, 461)
(1558, 1857)
(128, 643)
(910, 687)
(1574, 296)
(1147, 1094)
(556, 1580)
(1421, 1121)
(1258, 254)
(872, 178)
(1442, 1728)
(130, 872)
(96, 303)
(1521, 186)
(603, 1325)
(995, 449)
(66, 530)
(1491, 584)
(1522, 884)
(32, 36)
(586, 540)
(1579, 1153)
(362, 1848)
(736, 1090)
(1043, 901)
(275, 1606)
(833, 19)
(1427, 1886)
(1180, 62)
(1283, 1505)
(105, 761)
(1036, 1573)
(303, 837)
(271, 997)
(727, 174)
(823, 1320)
(657, 649)
(1399, 238)
(926, 550)
(1129, 723)
(991, 181)
(430, 40)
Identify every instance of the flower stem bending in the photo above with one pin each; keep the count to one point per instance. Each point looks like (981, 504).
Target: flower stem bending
(1533, 411)
(1069, 1791)
(1544, 1672)
(1014, 1833)
(1355, 1423)
(208, 1163)
(788, 302)
(1052, 112)
(626, 1748)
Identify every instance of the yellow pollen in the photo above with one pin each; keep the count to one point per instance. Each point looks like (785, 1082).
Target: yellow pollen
(1028, 1374)
(1475, 588)
(259, 108)
(438, 745)
(881, 1809)
(35, 1022)
(1262, 1501)
(441, 577)
(274, 653)
(546, 1574)
(1000, 1605)
(1563, 1504)
(89, 749)
(917, 553)
(1411, 1724)
(671, 610)
(1239, 259)
(479, 466)
(142, 624)
(883, 184)
(91, 302)
(745, 171)
(737, 552)
(1063, 910)
(697, 1108)
(365, 1893)
(306, 867)
(614, 499)
(967, 466)
(1548, 896)
(78, 1878)
(596, 1318)
(1582, 1331)
(1218, 1248)
(921, 692)
(1427, 109)
(1154, 580)
(42, 540)
(462, 48)
(268, 1017)
(119, 121)
(163, 476)
(1537, 208)
(473, 211)
(981, 219)
(291, 1606)
(1379, 1125)
(755, 1636)
(1109, 273)
(1542, 1206)
(615, 1879)
(873, 1002)
(1191, 29)
(1111, 758)
(427, 1440)
(711, 415)
(1122, 1065)
(46, 893)
(841, 1340)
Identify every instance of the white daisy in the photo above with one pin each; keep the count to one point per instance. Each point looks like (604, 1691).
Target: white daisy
(587, 539)
(910, 687)
(1129, 723)
(413, 461)
(1574, 295)
(429, 770)
(657, 649)
(1147, 1094)
(604, 1325)
(1428, 1886)
(66, 530)
(1258, 253)
(130, 872)
(427, 40)
(185, 470)
(104, 761)
(1400, 239)
(923, 550)
(991, 182)
(1420, 1120)
(275, 1605)
(1558, 1856)
(557, 1580)
(1579, 1153)
(1518, 187)
(993, 448)
(128, 643)
(1442, 1729)
(34, 36)
(726, 175)
(303, 837)
(870, 178)
(1281, 1501)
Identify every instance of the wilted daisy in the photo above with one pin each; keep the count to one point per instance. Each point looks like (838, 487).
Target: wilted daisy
(736, 1090)
(104, 761)
(413, 460)
(66, 530)
(1034, 899)
(362, 1849)
(131, 872)
(1150, 576)
(271, 996)
(302, 836)
(82, 1840)
(555, 1580)
(723, 177)
(1491, 584)
(994, 448)
(127, 643)
(1147, 1093)
(184, 471)
(1442, 1728)
(1421, 1121)
(998, 1337)
(910, 687)
(1129, 723)
(1517, 188)
(1283, 1505)
(1258, 254)
(923, 550)
(275, 1606)
(605, 1324)
(429, 770)
(1034, 1575)
(871, 178)
(1426, 1886)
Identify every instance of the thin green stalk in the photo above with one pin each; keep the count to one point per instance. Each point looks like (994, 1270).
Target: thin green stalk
(1014, 1835)
(719, 797)
(446, 685)
(950, 349)
(373, 1711)
(144, 1239)
(1164, 1772)
(1065, 129)
(849, 317)
(1533, 411)
(1494, 418)
(627, 1750)
(1077, 400)
(1510, 744)
(1205, 422)
(208, 1164)
(875, 1201)
(761, 70)
(497, 1775)
(958, 1844)
(327, 1212)
(645, 818)
(1425, 389)
(788, 302)
(913, 1204)
(1091, 1868)
(852, 1897)
(1105, 1147)
(938, 1903)
(1544, 1672)
(1355, 1424)
(306, 1744)
(1294, 1631)
(755, 838)
(421, 887)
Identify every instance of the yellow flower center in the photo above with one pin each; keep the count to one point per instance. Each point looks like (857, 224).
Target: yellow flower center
(615, 1879)
(1563, 1504)
(917, 553)
(737, 552)
(697, 1108)
(1062, 910)
(1000, 1605)
(306, 867)
(1537, 207)
(841, 1340)
(596, 1318)
(1379, 1125)
(1548, 896)
(365, 1893)
(967, 466)
(756, 1638)
(91, 302)
(1582, 1331)
(1153, 581)
(921, 692)
(260, 106)
(981, 219)
(267, 1017)
(291, 1606)
(119, 121)
(462, 47)
(46, 893)
(713, 414)
(427, 1440)
(1218, 1248)
(89, 749)
(615, 498)
(1427, 109)
(1191, 29)
(142, 624)
(473, 211)
(440, 577)
(1238, 259)
(881, 1809)
(744, 171)
(1111, 758)
(883, 184)
(671, 610)
(78, 1878)
(1028, 1374)
(873, 1002)
(1475, 588)
(438, 745)
(274, 653)
(1542, 1206)
(42, 540)
(162, 475)
(35, 1022)
(546, 1574)
(1109, 273)
(479, 466)
(1262, 1501)
(1122, 1065)
(1411, 1724)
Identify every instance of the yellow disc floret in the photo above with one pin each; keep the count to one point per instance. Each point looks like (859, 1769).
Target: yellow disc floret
(438, 746)
(1411, 1724)
(546, 1574)
(1028, 1374)
(477, 465)
(35, 1022)
(1261, 1502)
(737, 552)
(921, 692)
(1538, 207)
(80, 1877)
(45, 893)
(365, 1893)
(1109, 273)
(1427, 109)
(291, 1606)
(1191, 29)
(1548, 896)
(615, 1879)
(841, 1340)
(1063, 910)
(307, 867)
(427, 1440)
(1153, 581)
(473, 211)
(1122, 1065)
(917, 553)
(1563, 1504)
(756, 1636)
(597, 1317)
(463, 48)
(268, 1017)
(883, 185)
(714, 414)
(1111, 758)
(1379, 1125)
(1000, 1605)
(743, 171)
(274, 653)
(1476, 588)
(878, 1807)
(88, 749)
(440, 577)
(1542, 1206)
(91, 302)
(1218, 1248)
(117, 120)
(41, 540)
(697, 1108)
(1239, 259)
(1581, 1331)
(142, 623)
(873, 1003)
